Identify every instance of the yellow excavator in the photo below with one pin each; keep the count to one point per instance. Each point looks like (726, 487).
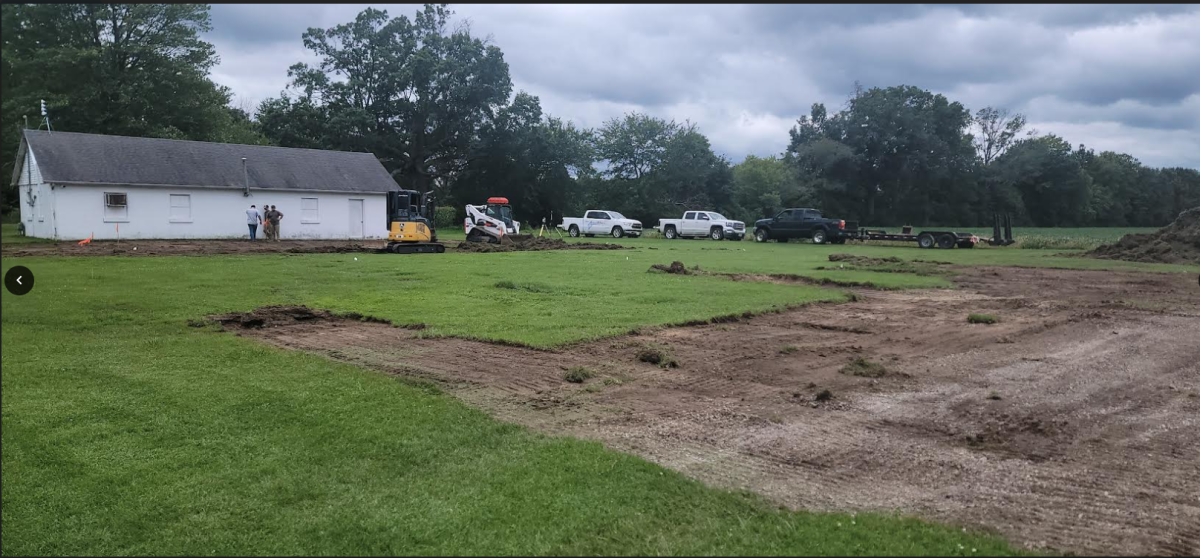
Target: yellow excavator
(410, 223)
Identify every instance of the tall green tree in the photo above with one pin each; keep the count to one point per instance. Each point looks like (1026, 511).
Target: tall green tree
(656, 167)
(912, 158)
(764, 186)
(124, 69)
(527, 157)
(1053, 185)
(413, 92)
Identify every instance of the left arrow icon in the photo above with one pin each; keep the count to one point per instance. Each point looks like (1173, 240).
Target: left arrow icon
(18, 280)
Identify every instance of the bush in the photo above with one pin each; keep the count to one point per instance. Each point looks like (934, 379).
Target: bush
(445, 217)
(982, 319)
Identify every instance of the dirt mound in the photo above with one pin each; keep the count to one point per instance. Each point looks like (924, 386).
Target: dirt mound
(862, 260)
(676, 268)
(276, 316)
(1178, 242)
(189, 247)
(534, 244)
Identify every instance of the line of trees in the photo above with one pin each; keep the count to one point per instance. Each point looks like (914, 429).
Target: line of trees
(436, 105)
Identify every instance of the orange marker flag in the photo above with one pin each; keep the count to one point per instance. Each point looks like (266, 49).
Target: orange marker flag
(87, 240)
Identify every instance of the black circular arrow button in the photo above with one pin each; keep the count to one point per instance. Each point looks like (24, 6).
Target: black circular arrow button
(18, 280)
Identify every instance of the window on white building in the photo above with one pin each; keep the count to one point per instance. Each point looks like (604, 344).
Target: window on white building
(116, 206)
(181, 208)
(308, 210)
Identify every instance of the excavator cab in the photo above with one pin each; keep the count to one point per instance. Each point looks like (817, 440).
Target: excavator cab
(410, 223)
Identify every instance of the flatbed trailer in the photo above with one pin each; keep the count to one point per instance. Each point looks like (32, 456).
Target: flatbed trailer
(924, 239)
(937, 238)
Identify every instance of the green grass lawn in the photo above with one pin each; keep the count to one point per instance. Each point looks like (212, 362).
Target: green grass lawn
(127, 432)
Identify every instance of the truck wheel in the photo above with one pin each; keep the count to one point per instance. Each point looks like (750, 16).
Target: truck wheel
(946, 241)
(761, 235)
(669, 232)
(819, 236)
(618, 232)
(716, 233)
(573, 231)
(925, 240)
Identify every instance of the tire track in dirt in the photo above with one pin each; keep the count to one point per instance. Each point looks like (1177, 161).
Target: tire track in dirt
(1072, 424)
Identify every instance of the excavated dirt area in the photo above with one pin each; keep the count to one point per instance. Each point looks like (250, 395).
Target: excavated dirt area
(1178, 242)
(534, 244)
(211, 247)
(1073, 424)
(189, 247)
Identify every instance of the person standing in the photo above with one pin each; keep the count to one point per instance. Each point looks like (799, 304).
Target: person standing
(266, 223)
(253, 218)
(274, 216)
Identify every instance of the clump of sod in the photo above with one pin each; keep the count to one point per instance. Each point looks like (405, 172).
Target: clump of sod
(982, 319)
(657, 355)
(578, 375)
(863, 367)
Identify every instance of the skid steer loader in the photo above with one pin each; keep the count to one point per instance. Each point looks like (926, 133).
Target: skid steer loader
(492, 222)
(410, 224)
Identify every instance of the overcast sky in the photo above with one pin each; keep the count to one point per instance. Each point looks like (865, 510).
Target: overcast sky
(1114, 77)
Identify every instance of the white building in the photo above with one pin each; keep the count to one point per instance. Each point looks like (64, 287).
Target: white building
(74, 186)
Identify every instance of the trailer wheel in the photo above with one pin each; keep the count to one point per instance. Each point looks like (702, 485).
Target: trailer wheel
(966, 244)
(946, 241)
(819, 236)
(925, 240)
(669, 233)
(761, 235)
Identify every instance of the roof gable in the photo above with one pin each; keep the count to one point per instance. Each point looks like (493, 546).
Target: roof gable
(74, 158)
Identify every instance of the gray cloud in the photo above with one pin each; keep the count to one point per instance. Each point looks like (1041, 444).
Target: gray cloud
(1101, 75)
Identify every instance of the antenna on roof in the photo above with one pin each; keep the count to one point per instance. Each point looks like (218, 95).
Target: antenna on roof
(45, 118)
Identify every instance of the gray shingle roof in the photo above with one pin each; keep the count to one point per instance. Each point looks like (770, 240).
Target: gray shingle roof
(74, 158)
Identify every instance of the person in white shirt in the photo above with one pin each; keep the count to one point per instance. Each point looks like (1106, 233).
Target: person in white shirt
(253, 218)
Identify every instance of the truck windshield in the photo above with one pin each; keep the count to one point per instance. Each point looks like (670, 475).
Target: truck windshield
(717, 217)
(615, 215)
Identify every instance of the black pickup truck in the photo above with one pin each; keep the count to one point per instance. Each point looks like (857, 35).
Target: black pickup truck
(804, 223)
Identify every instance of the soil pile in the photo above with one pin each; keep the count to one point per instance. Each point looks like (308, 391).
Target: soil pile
(534, 244)
(275, 316)
(676, 268)
(1178, 242)
(862, 260)
(189, 247)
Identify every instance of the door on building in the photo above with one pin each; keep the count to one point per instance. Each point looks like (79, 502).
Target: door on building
(356, 218)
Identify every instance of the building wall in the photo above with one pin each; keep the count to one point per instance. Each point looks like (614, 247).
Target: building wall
(160, 212)
(36, 199)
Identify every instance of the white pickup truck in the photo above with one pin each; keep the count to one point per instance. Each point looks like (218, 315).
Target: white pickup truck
(601, 221)
(696, 224)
